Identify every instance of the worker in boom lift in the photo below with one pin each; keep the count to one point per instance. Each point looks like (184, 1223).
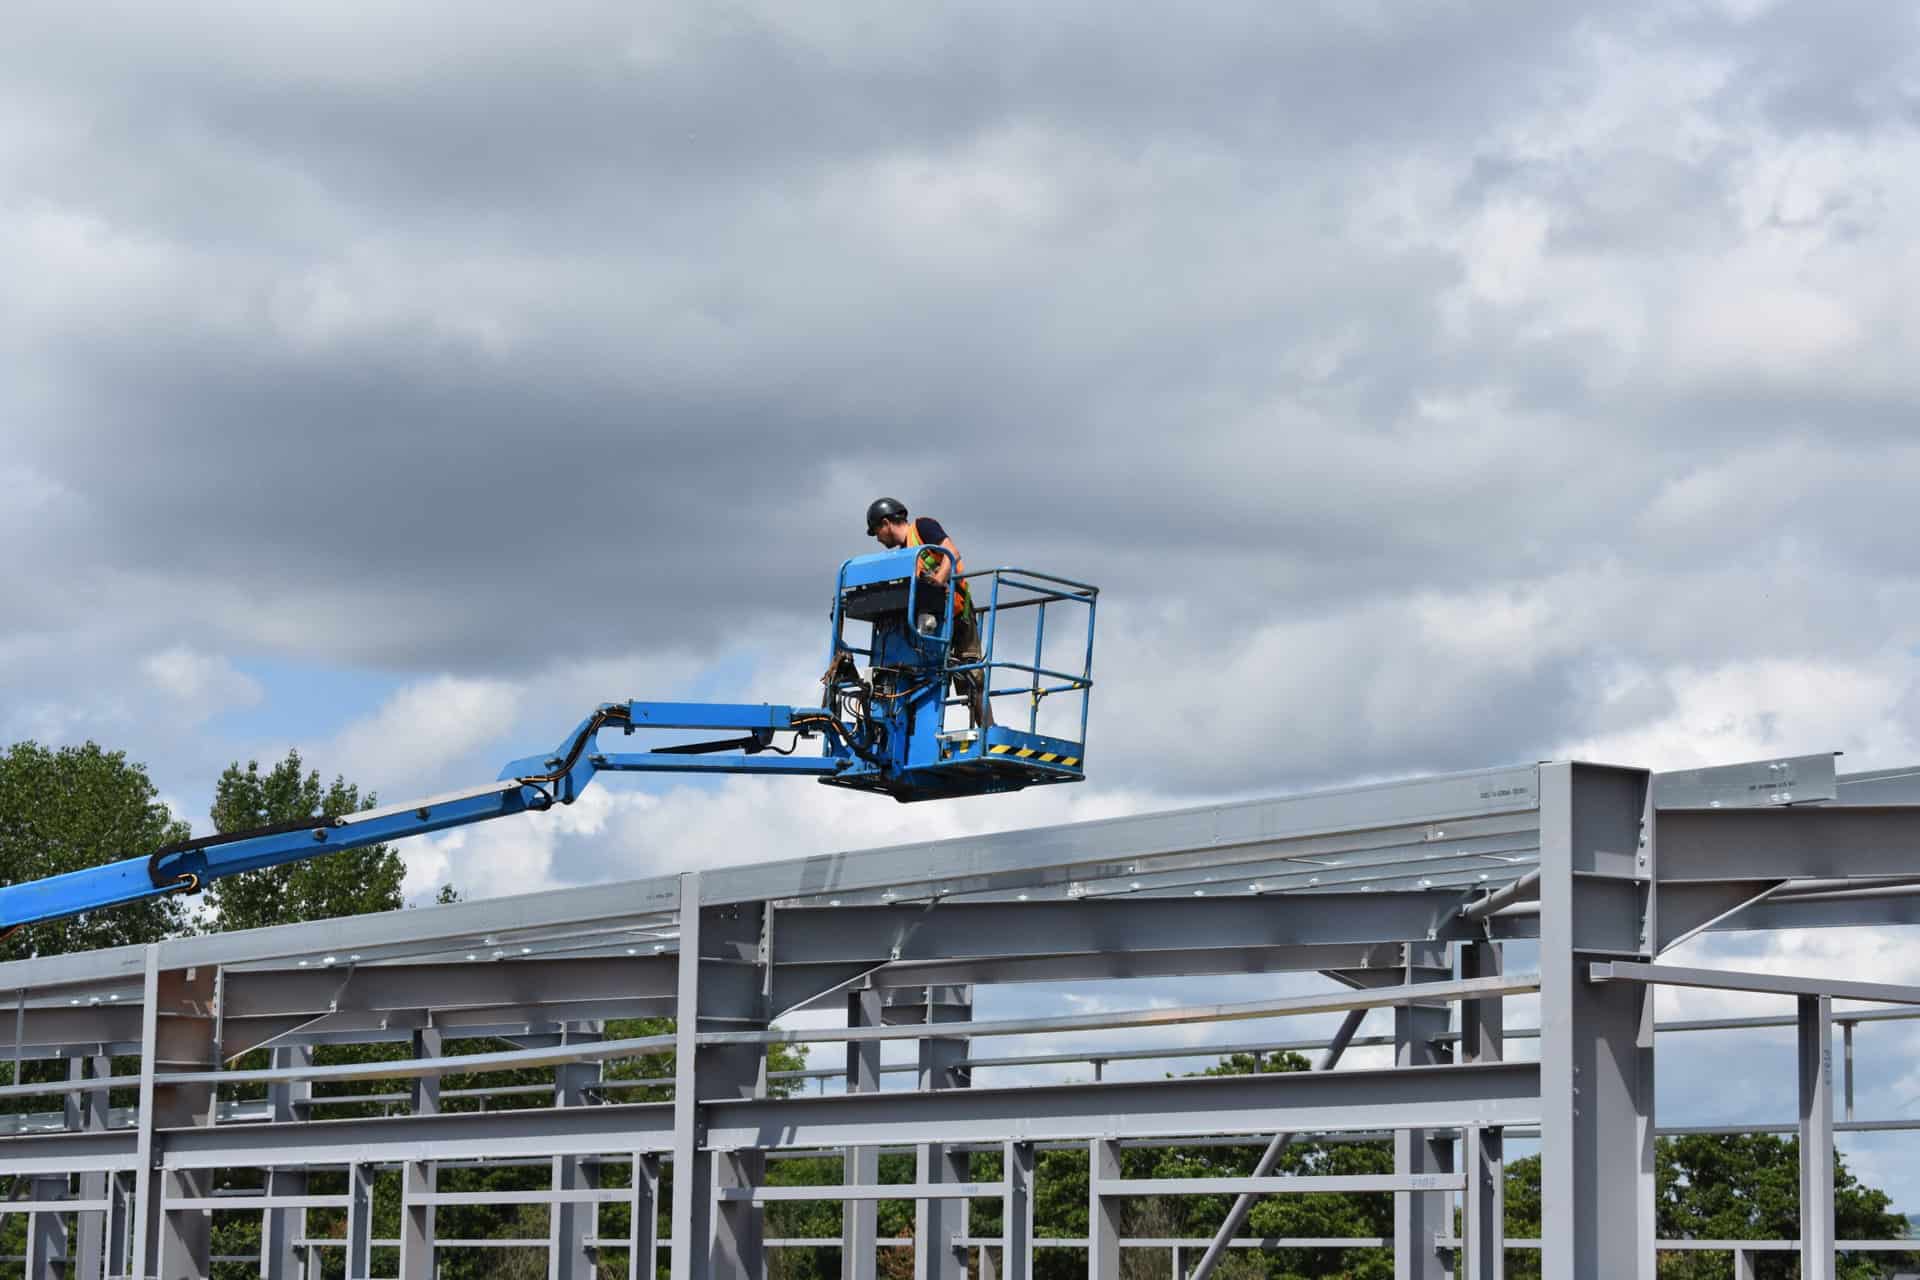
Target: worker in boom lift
(887, 520)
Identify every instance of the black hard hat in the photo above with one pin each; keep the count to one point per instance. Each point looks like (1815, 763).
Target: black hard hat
(882, 510)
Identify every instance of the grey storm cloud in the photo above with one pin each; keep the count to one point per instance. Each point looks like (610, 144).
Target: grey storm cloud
(443, 340)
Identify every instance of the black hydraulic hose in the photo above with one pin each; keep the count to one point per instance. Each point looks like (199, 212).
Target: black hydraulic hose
(598, 721)
(189, 881)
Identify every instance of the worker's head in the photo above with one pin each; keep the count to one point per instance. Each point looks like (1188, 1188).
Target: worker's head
(887, 521)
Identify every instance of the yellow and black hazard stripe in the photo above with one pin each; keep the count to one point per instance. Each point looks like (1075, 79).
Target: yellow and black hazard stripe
(1032, 753)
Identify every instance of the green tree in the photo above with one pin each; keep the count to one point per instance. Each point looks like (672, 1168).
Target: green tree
(1730, 1187)
(64, 810)
(75, 807)
(349, 882)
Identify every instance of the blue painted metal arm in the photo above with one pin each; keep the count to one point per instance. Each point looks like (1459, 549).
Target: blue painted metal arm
(885, 733)
(534, 783)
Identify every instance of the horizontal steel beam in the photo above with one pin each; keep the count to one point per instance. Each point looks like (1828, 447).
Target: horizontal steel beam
(1814, 842)
(1719, 1246)
(1862, 909)
(416, 1068)
(1435, 811)
(868, 1191)
(45, 1029)
(255, 1204)
(959, 931)
(542, 1195)
(1428, 1097)
(1764, 983)
(52, 1206)
(1475, 850)
(1415, 1098)
(257, 992)
(1198, 1242)
(1286, 1006)
(56, 1153)
(1879, 786)
(1751, 784)
(473, 1135)
(1118, 847)
(1189, 963)
(1286, 1184)
(1058, 855)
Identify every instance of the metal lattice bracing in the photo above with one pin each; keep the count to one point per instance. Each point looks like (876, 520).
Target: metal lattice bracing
(138, 1126)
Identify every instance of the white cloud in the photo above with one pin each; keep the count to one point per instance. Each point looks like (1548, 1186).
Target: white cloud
(1747, 710)
(508, 855)
(199, 684)
(419, 729)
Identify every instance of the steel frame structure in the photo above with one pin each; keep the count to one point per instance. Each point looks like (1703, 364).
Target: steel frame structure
(1404, 894)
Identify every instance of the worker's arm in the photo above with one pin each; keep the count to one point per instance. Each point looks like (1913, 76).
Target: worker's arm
(944, 569)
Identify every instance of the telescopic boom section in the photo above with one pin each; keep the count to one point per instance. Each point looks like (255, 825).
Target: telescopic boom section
(533, 784)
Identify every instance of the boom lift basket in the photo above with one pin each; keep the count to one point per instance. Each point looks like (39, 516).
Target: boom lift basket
(1035, 660)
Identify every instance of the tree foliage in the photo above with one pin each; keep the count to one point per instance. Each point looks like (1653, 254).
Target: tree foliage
(64, 810)
(345, 883)
(76, 807)
(1730, 1187)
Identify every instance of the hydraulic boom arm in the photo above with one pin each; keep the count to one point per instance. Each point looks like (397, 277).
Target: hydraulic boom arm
(886, 733)
(533, 784)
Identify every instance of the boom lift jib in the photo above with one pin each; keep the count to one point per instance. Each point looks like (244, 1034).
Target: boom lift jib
(884, 730)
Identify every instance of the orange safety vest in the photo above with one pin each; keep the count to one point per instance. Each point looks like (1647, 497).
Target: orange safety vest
(930, 563)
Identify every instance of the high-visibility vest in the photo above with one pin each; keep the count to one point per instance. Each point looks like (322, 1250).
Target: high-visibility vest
(930, 563)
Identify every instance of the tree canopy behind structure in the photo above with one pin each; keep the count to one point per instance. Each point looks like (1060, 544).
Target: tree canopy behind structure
(344, 883)
(1730, 1187)
(70, 808)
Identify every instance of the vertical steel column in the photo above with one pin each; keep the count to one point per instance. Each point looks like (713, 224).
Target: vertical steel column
(643, 1231)
(417, 1178)
(937, 1223)
(1816, 1138)
(359, 1222)
(1483, 1220)
(736, 938)
(1481, 1250)
(692, 1204)
(87, 1111)
(1103, 1212)
(1419, 1216)
(1846, 1031)
(1742, 1265)
(1597, 859)
(571, 1225)
(709, 1241)
(428, 1042)
(859, 1219)
(282, 1229)
(1016, 1215)
(47, 1232)
(737, 1248)
(119, 1240)
(176, 1030)
(420, 1177)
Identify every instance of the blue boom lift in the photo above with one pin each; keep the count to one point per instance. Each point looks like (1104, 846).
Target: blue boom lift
(885, 731)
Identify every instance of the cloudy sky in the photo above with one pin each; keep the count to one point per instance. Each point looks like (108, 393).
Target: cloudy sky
(1426, 386)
